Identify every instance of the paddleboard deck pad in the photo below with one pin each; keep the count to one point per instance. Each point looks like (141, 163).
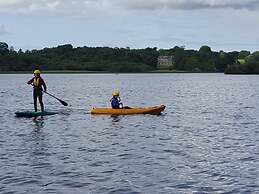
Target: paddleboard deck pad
(29, 114)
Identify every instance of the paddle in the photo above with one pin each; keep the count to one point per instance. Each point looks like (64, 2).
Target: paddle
(61, 101)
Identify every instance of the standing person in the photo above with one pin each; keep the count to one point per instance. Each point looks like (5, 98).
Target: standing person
(37, 82)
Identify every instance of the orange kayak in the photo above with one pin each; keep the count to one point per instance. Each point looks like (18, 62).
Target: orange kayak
(129, 111)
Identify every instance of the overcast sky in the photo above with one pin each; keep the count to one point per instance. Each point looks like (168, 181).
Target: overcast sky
(221, 24)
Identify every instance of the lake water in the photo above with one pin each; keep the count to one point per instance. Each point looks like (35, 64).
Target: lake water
(206, 141)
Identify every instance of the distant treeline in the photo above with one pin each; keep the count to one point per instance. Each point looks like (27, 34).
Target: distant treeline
(106, 59)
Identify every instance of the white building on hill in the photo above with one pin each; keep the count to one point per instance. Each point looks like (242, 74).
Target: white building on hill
(164, 61)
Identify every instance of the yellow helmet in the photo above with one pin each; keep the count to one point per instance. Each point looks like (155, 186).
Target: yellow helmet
(37, 71)
(115, 93)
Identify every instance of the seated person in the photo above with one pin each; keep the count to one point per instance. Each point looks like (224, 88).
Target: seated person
(115, 100)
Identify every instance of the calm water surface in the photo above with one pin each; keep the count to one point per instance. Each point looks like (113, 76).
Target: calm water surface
(206, 141)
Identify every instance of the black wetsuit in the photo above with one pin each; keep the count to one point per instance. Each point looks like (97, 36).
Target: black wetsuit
(37, 91)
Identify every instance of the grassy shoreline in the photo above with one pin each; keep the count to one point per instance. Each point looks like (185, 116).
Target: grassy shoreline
(51, 72)
(97, 72)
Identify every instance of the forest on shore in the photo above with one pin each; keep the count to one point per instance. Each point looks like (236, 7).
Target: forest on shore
(106, 59)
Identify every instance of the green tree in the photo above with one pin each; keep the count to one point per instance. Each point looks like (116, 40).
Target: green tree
(3, 48)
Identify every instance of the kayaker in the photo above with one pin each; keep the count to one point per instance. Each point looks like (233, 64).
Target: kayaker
(37, 82)
(115, 100)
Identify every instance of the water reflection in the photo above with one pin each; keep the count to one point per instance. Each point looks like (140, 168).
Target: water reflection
(38, 149)
(39, 123)
(116, 118)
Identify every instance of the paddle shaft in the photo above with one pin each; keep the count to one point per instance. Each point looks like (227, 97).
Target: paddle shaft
(51, 95)
(61, 101)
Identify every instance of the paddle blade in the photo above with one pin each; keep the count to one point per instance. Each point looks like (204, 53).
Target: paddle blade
(63, 102)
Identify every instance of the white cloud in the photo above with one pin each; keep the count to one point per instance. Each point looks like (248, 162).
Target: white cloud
(63, 7)
(4, 29)
(191, 4)
(89, 7)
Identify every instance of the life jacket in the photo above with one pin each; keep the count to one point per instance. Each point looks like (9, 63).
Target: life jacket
(115, 103)
(36, 81)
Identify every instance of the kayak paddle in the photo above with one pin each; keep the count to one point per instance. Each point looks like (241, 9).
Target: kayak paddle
(61, 101)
